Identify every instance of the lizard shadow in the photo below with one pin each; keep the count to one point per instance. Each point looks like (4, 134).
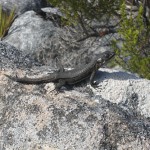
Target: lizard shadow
(102, 75)
(117, 75)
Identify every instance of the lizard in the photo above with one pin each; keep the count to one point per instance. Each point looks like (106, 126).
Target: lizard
(70, 77)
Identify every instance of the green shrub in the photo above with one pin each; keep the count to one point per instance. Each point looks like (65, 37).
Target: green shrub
(74, 10)
(5, 21)
(133, 54)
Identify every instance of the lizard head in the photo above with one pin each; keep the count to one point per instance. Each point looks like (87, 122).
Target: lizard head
(107, 55)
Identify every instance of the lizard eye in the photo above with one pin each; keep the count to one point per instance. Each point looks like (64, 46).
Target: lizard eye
(99, 60)
(106, 55)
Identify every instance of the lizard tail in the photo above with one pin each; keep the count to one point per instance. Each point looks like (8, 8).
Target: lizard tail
(10, 77)
(26, 80)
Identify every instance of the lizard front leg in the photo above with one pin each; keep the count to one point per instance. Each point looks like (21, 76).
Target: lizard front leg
(92, 82)
(60, 83)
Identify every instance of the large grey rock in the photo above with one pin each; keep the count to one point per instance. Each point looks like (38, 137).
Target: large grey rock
(10, 57)
(30, 33)
(36, 36)
(22, 6)
(54, 11)
(120, 86)
(112, 116)
(33, 35)
(46, 40)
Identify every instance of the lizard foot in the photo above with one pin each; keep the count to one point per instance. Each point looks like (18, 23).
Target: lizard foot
(94, 84)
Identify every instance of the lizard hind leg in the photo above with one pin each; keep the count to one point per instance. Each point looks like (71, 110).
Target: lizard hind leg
(59, 84)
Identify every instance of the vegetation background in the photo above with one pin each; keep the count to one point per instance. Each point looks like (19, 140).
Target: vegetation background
(134, 52)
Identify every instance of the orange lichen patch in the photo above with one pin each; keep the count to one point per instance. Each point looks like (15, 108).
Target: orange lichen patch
(103, 32)
(3, 78)
(29, 87)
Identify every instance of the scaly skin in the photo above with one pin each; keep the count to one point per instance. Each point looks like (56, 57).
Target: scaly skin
(71, 76)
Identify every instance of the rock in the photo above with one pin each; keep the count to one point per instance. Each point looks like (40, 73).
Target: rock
(29, 31)
(45, 40)
(10, 57)
(122, 87)
(55, 15)
(112, 116)
(115, 115)
(40, 38)
(22, 6)
(53, 11)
